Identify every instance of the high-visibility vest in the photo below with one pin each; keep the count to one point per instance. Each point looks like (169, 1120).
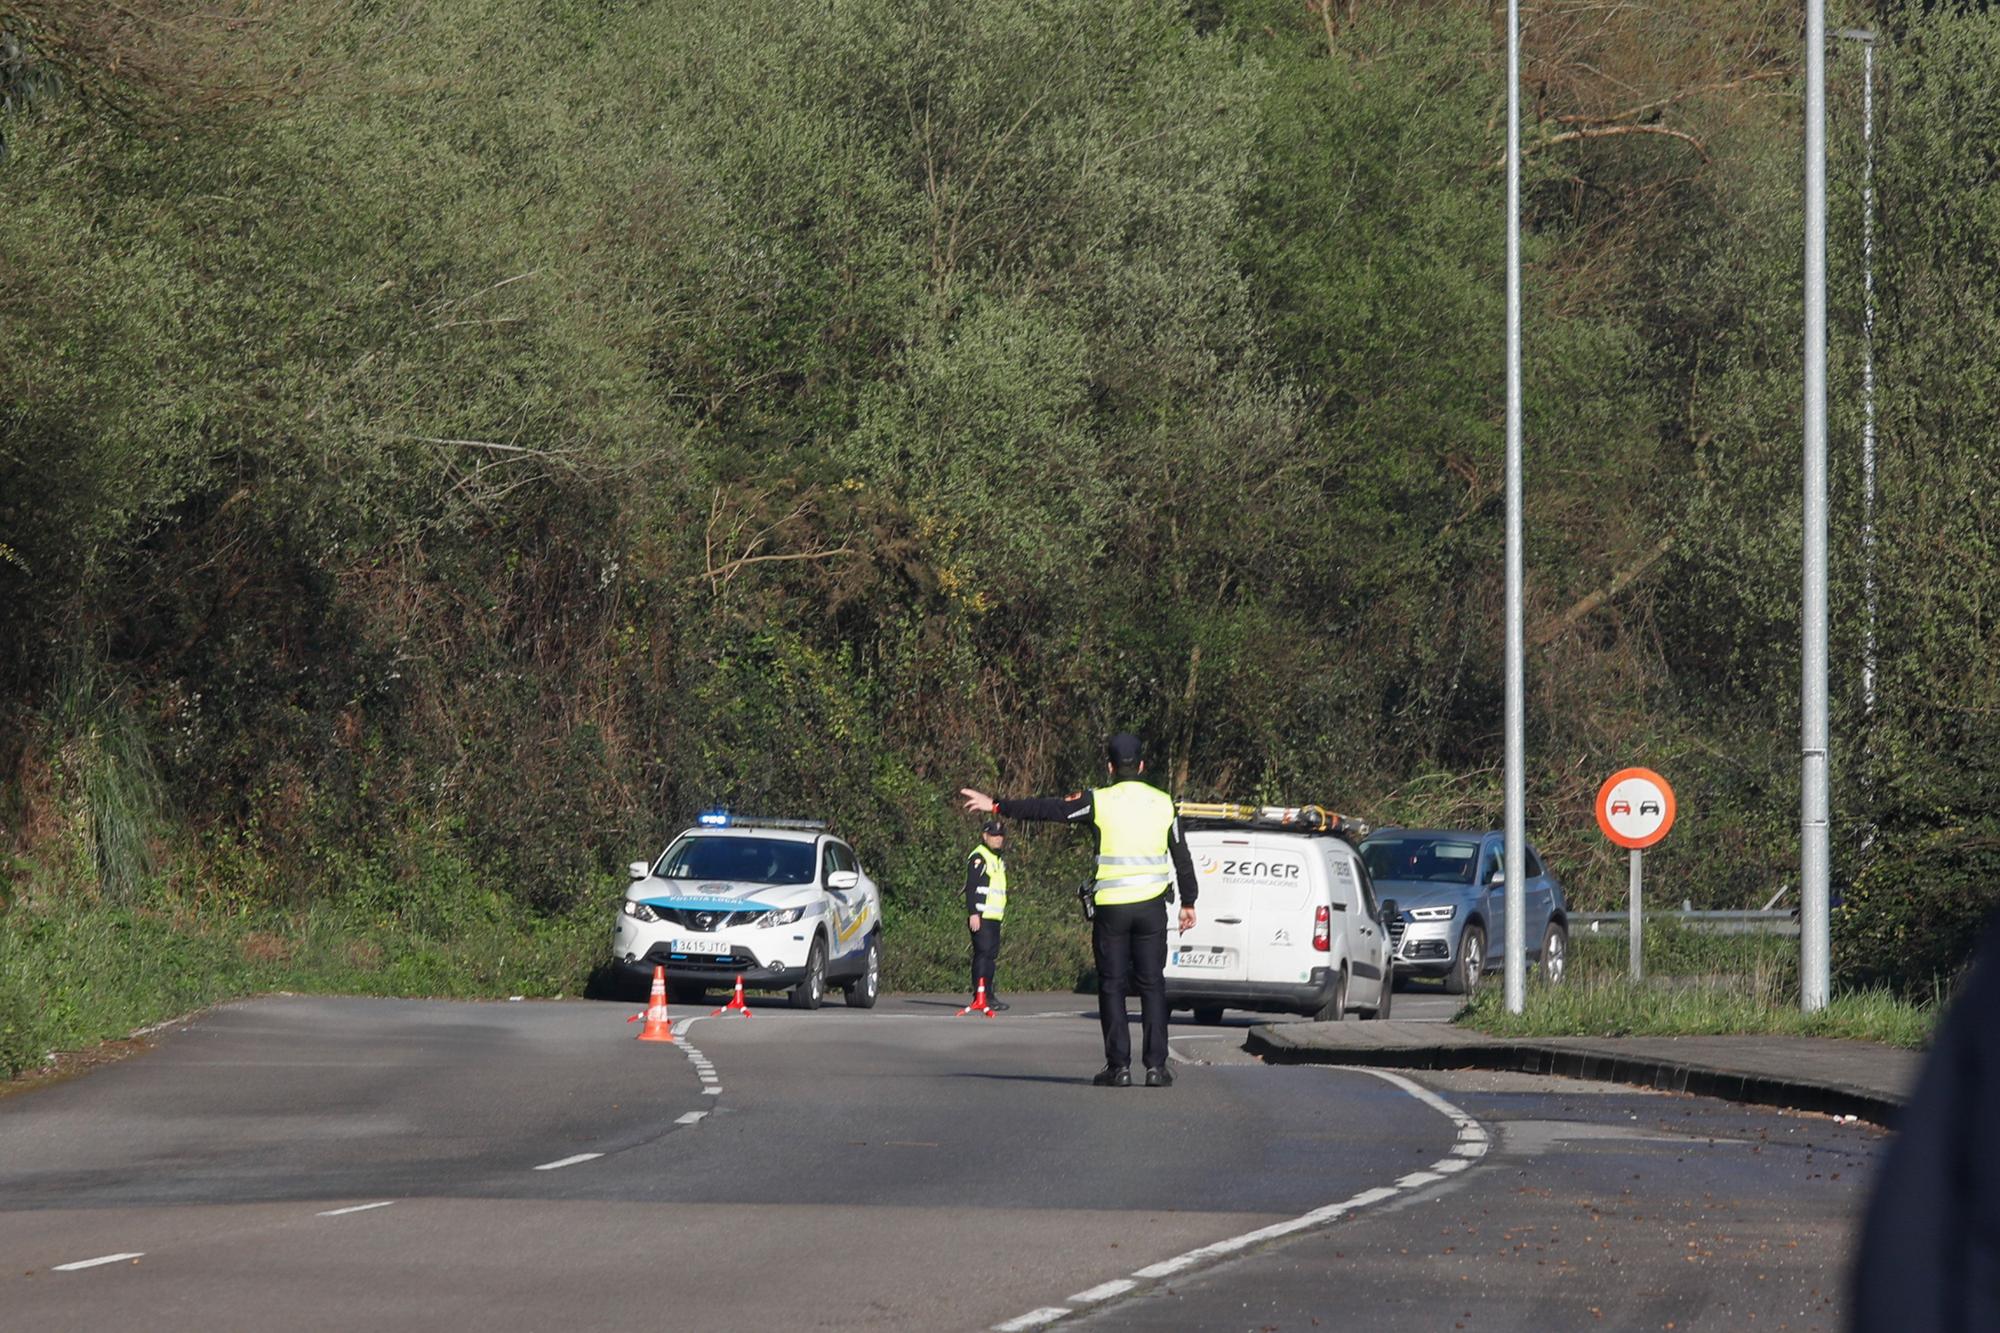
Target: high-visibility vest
(1133, 822)
(996, 883)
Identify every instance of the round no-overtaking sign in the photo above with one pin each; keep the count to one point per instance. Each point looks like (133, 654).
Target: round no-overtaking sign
(1635, 807)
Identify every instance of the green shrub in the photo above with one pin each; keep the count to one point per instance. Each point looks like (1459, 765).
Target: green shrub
(1911, 919)
(18, 1048)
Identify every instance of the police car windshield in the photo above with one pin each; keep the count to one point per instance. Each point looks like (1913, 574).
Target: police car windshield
(1429, 860)
(758, 860)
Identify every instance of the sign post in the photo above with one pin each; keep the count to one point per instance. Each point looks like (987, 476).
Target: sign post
(1632, 951)
(1635, 808)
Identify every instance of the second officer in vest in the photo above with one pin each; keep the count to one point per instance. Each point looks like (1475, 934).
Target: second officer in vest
(986, 906)
(1140, 858)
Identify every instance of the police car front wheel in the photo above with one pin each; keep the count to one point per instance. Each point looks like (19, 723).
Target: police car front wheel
(808, 993)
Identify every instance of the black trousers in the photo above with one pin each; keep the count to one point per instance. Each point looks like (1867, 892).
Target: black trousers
(985, 953)
(1130, 944)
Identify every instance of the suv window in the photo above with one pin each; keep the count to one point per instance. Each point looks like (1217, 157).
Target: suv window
(1436, 860)
(757, 860)
(1496, 862)
(843, 857)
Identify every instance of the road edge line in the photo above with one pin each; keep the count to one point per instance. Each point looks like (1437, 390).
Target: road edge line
(1470, 1142)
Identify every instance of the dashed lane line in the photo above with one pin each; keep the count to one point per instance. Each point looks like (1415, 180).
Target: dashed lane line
(702, 1065)
(100, 1260)
(1471, 1143)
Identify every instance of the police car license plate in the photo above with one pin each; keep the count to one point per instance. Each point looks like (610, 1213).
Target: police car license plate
(1199, 958)
(699, 946)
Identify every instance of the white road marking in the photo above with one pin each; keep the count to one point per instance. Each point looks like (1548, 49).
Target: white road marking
(570, 1161)
(711, 1091)
(1471, 1143)
(357, 1208)
(106, 1259)
(690, 1118)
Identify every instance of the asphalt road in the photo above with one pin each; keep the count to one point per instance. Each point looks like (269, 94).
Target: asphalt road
(308, 1163)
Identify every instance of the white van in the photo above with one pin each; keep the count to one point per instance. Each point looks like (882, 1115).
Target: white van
(1286, 922)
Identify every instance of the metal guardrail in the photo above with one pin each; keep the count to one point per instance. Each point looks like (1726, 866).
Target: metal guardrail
(1776, 922)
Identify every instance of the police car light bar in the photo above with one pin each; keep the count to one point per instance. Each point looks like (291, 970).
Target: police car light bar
(723, 819)
(1303, 818)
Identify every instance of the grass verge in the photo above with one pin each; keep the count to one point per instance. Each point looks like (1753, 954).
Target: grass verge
(1695, 985)
(75, 972)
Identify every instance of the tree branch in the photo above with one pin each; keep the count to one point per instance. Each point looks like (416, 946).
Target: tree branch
(1608, 132)
(1620, 581)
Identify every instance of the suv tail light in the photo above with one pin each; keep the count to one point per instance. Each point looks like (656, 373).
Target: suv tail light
(1321, 926)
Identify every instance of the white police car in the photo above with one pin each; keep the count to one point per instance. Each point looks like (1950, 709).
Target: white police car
(779, 902)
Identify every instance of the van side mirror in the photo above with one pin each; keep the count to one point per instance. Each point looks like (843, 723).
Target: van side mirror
(637, 869)
(1389, 909)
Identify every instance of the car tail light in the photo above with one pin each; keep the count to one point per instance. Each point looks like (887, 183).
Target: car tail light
(1321, 927)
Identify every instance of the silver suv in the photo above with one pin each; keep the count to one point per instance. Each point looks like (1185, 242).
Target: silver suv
(1449, 889)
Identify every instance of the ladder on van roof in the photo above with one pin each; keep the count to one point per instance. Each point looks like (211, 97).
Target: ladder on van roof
(1284, 818)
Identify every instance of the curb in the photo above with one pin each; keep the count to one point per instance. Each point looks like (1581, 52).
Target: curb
(1531, 1057)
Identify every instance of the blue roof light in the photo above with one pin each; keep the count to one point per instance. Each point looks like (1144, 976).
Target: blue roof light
(713, 819)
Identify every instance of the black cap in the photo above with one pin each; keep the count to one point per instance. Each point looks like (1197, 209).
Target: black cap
(1123, 750)
(992, 828)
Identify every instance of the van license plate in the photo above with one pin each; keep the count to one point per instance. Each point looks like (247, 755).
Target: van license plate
(699, 946)
(1199, 958)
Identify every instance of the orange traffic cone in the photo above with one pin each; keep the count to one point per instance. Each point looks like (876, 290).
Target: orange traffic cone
(659, 1025)
(979, 1005)
(735, 1004)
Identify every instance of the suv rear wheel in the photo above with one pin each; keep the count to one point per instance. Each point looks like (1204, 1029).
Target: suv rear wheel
(1555, 954)
(1463, 979)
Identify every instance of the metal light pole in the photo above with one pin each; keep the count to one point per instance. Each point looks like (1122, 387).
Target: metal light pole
(1814, 943)
(1516, 966)
(1866, 38)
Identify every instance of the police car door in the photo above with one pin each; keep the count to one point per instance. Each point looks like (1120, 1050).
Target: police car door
(846, 905)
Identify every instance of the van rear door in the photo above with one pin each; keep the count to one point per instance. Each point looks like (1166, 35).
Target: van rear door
(1214, 950)
(1284, 884)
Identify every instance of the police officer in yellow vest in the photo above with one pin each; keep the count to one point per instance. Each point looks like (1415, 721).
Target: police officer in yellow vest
(1141, 857)
(986, 906)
